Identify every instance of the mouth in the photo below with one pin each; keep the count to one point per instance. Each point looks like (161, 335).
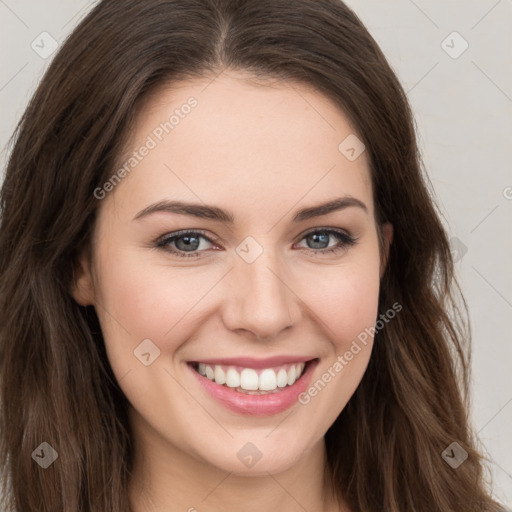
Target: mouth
(254, 387)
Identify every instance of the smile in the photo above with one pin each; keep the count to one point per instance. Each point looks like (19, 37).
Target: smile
(254, 387)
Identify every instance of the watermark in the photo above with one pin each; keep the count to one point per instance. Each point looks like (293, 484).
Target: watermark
(249, 249)
(454, 455)
(343, 360)
(44, 45)
(458, 249)
(454, 45)
(146, 352)
(507, 193)
(352, 147)
(45, 455)
(151, 142)
(249, 455)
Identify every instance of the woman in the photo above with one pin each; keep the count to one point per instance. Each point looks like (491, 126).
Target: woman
(224, 284)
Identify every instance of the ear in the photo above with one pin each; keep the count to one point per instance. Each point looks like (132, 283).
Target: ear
(387, 240)
(82, 287)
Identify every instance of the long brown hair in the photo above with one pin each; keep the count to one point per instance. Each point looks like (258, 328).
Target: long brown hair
(56, 383)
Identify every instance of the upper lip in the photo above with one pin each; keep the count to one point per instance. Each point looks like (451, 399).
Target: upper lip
(250, 362)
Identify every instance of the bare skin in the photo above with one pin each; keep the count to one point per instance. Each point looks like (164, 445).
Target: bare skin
(262, 152)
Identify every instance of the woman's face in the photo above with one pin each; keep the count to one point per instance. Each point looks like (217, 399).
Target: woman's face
(240, 293)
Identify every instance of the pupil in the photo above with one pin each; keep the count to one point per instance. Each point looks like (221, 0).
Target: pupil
(187, 242)
(316, 239)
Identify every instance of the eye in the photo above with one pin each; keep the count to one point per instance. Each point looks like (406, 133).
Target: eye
(187, 244)
(184, 242)
(320, 237)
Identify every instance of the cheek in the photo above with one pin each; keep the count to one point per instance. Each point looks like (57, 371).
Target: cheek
(345, 298)
(354, 309)
(347, 311)
(140, 300)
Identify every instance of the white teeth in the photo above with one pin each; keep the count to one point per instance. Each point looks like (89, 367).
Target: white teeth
(220, 375)
(232, 378)
(249, 379)
(269, 379)
(291, 375)
(282, 378)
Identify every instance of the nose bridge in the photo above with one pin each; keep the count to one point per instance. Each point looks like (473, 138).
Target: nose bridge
(263, 302)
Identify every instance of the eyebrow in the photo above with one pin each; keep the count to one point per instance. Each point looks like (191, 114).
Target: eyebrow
(218, 214)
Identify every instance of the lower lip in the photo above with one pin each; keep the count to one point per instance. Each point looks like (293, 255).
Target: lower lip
(257, 405)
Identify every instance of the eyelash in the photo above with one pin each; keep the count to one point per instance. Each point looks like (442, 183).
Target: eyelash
(345, 239)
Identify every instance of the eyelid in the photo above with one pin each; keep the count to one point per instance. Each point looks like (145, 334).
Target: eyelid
(325, 228)
(214, 239)
(182, 232)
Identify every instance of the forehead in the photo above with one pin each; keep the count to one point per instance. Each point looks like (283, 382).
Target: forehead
(212, 137)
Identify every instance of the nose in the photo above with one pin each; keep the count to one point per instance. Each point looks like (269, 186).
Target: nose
(260, 298)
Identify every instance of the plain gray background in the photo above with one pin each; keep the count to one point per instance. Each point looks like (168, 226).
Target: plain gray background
(462, 99)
